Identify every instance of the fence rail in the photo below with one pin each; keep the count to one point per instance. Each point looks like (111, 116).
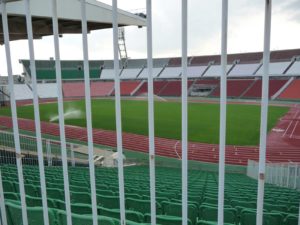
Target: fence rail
(280, 174)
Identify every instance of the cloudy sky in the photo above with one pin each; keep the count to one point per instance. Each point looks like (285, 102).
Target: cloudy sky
(246, 19)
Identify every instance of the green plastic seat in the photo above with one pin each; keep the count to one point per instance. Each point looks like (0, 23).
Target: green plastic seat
(275, 207)
(293, 210)
(105, 192)
(84, 219)
(55, 193)
(11, 196)
(131, 195)
(36, 201)
(60, 204)
(248, 217)
(175, 209)
(202, 222)
(34, 215)
(208, 213)
(8, 186)
(158, 199)
(142, 206)
(291, 220)
(110, 202)
(115, 213)
(167, 220)
(82, 209)
(80, 197)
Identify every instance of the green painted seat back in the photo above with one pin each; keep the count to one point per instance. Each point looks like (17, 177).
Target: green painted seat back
(115, 213)
(82, 209)
(36, 201)
(55, 193)
(175, 209)
(291, 220)
(84, 219)
(110, 202)
(80, 197)
(211, 214)
(170, 220)
(142, 206)
(34, 215)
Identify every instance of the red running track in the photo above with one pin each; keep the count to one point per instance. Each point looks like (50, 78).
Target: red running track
(236, 155)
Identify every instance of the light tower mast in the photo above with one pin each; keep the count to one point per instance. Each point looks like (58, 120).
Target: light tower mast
(122, 47)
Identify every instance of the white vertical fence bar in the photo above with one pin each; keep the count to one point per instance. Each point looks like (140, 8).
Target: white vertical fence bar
(264, 113)
(36, 110)
(14, 112)
(288, 176)
(299, 216)
(282, 174)
(184, 113)
(88, 111)
(72, 157)
(118, 112)
(223, 111)
(151, 112)
(2, 203)
(295, 181)
(61, 112)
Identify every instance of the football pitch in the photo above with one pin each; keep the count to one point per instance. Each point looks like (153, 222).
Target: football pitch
(243, 121)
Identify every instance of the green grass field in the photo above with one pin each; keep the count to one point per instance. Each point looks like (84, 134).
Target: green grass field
(243, 121)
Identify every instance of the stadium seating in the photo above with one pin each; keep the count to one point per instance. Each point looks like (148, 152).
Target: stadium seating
(235, 88)
(74, 89)
(100, 89)
(292, 91)
(285, 202)
(255, 90)
(173, 88)
(128, 88)
(157, 87)
(67, 74)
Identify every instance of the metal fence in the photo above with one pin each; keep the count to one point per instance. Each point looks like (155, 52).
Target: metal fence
(63, 144)
(280, 174)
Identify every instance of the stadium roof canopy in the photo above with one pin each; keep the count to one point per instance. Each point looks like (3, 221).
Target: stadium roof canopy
(99, 16)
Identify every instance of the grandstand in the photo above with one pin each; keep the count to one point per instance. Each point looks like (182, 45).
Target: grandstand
(62, 162)
(244, 76)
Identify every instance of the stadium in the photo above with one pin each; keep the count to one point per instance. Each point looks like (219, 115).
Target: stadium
(192, 140)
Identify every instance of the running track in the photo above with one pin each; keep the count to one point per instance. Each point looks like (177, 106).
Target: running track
(283, 141)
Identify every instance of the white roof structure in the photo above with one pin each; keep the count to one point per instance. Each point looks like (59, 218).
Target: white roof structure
(99, 16)
(170, 72)
(130, 73)
(215, 71)
(195, 71)
(144, 73)
(107, 74)
(22, 92)
(277, 68)
(295, 69)
(241, 70)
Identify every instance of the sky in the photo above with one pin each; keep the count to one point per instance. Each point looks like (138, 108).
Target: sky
(245, 31)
